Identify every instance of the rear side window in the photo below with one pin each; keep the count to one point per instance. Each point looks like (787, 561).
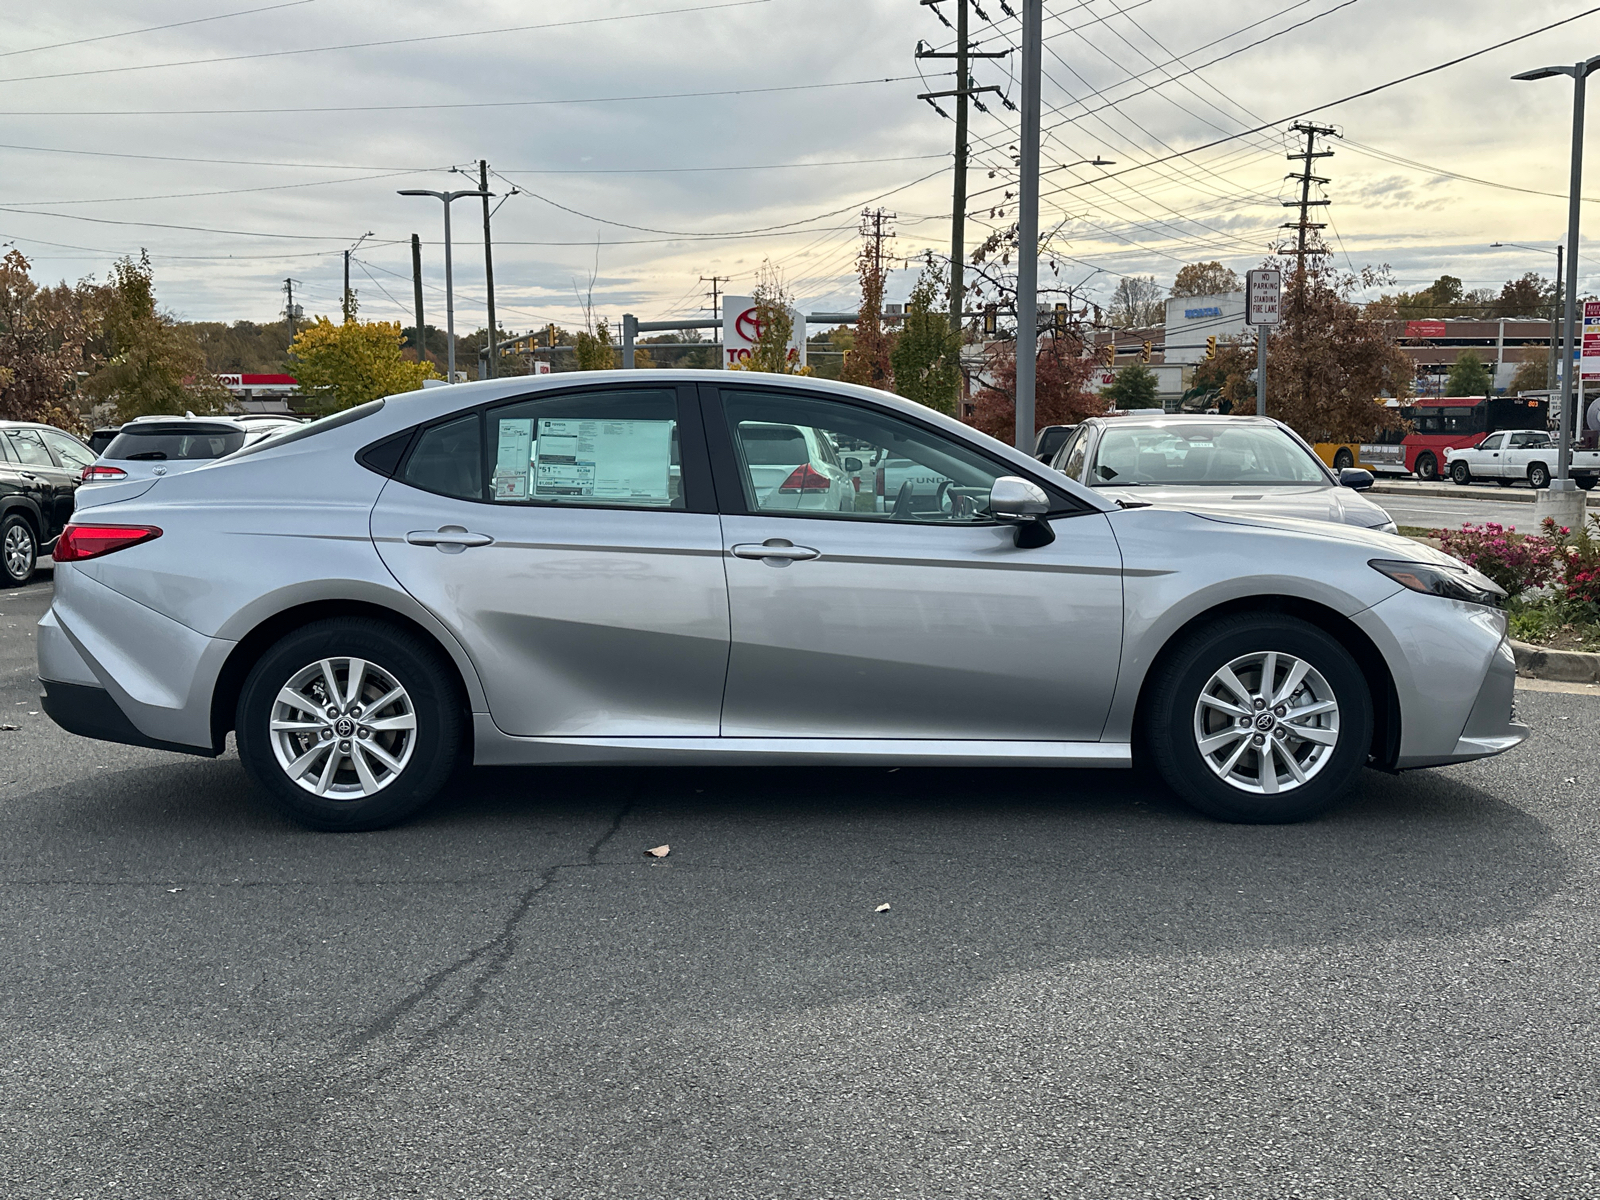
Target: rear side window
(28, 449)
(158, 443)
(69, 450)
(448, 460)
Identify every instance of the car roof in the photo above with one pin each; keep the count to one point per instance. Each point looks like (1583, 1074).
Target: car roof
(1157, 420)
(171, 422)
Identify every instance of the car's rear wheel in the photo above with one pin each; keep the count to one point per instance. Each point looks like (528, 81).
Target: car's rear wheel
(1461, 473)
(350, 723)
(1586, 482)
(1342, 458)
(19, 549)
(1427, 468)
(1538, 476)
(1259, 718)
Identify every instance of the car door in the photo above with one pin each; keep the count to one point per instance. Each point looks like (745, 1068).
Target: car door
(72, 456)
(912, 615)
(1485, 460)
(57, 485)
(577, 562)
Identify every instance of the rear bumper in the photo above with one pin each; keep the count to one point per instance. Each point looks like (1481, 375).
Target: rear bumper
(91, 712)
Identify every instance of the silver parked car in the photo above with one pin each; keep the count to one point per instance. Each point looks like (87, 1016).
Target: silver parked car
(511, 571)
(150, 447)
(1218, 464)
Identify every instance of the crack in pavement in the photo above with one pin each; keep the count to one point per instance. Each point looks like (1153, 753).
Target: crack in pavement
(493, 955)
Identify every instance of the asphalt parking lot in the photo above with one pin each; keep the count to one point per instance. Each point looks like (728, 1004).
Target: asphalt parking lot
(1080, 988)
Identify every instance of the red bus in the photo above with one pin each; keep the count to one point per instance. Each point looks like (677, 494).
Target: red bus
(1438, 423)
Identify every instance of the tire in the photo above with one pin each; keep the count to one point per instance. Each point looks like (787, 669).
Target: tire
(19, 550)
(1177, 719)
(365, 790)
(1538, 476)
(1461, 473)
(1342, 458)
(1586, 482)
(1506, 482)
(1427, 468)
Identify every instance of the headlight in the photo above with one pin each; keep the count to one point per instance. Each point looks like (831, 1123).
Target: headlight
(1433, 579)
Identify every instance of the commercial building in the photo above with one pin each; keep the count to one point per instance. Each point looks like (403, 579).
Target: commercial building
(262, 393)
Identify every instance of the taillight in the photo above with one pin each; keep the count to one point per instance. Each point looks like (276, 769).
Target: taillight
(78, 542)
(878, 482)
(96, 471)
(805, 478)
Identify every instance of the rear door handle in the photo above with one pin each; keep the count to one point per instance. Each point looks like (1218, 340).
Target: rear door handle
(452, 539)
(780, 548)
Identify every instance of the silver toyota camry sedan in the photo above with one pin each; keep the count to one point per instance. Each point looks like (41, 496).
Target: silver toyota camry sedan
(603, 568)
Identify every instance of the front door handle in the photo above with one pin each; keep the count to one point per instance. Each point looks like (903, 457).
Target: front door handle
(451, 539)
(778, 548)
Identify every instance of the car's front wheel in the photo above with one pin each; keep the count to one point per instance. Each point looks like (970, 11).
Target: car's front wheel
(350, 723)
(1539, 476)
(1461, 473)
(1259, 718)
(19, 549)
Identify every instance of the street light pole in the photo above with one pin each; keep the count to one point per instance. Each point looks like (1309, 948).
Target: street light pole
(1028, 224)
(1580, 74)
(449, 281)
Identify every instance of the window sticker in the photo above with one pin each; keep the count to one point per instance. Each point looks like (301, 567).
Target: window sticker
(603, 460)
(513, 459)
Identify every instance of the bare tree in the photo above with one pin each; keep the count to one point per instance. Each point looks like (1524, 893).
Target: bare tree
(1137, 303)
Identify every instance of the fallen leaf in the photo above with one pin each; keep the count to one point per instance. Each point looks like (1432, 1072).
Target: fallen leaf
(176, 890)
(881, 908)
(659, 851)
(10, 727)
(1574, 779)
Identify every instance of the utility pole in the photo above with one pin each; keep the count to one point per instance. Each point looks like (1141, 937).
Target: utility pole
(348, 306)
(416, 286)
(872, 229)
(1028, 224)
(1305, 178)
(714, 280)
(290, 309)
(488, 267)
(963, 91)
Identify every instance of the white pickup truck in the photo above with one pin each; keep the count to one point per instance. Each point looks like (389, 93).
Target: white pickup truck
(1514, 454)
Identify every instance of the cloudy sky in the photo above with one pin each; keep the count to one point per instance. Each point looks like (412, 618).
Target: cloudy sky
(657, 141)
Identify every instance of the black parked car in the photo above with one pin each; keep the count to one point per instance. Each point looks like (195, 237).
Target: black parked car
(39, 471)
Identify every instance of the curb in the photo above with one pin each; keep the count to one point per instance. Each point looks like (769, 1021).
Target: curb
(1426, 491)
(1560, 666)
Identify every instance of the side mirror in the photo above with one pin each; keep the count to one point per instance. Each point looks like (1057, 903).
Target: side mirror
(852, 464)
(1015, 499)
(1358, 478)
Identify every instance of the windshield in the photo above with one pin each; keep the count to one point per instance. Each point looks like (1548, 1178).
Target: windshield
(1198, 454)
(153, 443)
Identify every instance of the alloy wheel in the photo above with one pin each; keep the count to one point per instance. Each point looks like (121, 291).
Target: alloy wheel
(1266, 723)
(18, 550)
(343, 728)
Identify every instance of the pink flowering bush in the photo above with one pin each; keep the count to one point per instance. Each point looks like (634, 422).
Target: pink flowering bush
(1517, 562)
(1578, 556)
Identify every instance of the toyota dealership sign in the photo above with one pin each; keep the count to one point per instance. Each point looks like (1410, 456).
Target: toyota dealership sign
(741, 329)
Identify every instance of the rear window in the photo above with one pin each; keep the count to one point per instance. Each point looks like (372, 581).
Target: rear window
(773, 445)
(188, 443)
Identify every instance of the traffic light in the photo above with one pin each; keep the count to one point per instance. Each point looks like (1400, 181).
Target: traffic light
(1061, 318)
(1145, 351)
(991, 319)
(1211, 347)
(550, 335)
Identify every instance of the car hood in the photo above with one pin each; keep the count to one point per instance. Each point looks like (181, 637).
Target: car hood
(1390, 545)
(1312, 502)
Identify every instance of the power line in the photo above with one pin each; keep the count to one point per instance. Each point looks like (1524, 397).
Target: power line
(1343, 99)
(277, 187)
(434, 37)
(336, 108)
(105, 37)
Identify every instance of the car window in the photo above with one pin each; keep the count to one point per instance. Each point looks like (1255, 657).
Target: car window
(1220, 453)
(27, 447)
(1076, 451)
(610, 449)
(157, 443)
(69, 450)
(1492, 442)
(810, 456)
(448, 459)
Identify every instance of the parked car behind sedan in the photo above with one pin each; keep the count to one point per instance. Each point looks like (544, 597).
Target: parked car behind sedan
(1216, 464)
(505, 570)
(151, 447)
(1514, 454)
(40, 468)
